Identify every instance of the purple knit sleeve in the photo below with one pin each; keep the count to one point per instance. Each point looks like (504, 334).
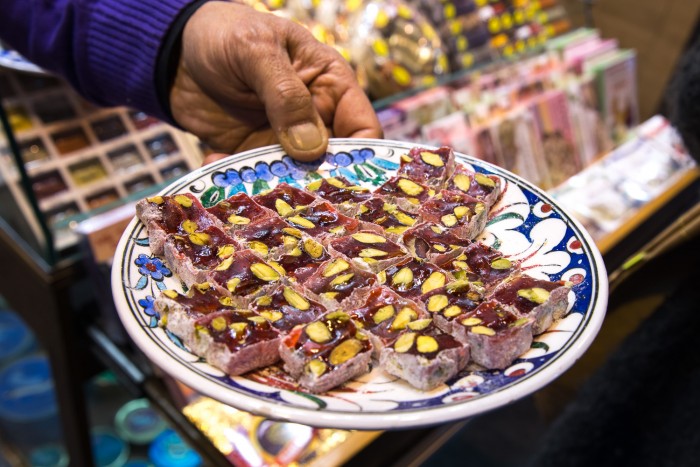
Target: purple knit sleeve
(107, 49)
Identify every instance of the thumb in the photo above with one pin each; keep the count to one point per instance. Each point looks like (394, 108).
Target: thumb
(289, 108)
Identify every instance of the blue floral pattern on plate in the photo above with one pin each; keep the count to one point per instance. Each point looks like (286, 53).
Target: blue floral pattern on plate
(525, 225)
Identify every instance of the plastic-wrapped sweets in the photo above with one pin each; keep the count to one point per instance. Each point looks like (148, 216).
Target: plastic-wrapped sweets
(464, 34)
(327, 20)
(396, 48)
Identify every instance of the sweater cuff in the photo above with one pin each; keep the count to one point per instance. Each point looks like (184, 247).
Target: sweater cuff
(122, 50)
(169, 58)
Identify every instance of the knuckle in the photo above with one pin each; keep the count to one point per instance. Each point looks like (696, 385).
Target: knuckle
(292, 95)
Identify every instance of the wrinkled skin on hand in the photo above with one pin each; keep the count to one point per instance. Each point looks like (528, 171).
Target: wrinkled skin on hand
(248, 79)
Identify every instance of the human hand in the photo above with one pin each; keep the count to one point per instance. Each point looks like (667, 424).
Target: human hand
(248, 79)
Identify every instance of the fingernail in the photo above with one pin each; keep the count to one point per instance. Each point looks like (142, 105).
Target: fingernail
(305, 136)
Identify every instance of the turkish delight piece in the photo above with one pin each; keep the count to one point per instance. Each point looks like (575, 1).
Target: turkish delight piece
(192, 255)
(421, 283)
(322, 220)
(410, 277)
(336, 279)
(496, 335)
(339, 191)
(238, 341)
(177, 214)
(268, 235)
(384, 315)
(464, 215)
(484, 187)
(179, 313)
(245, 275)
(285, 199)
(456, 298)
(424, 357)
(368, 249)
(238, 211)
(286, 306)
(302, 257)
(433, 242)
(407, 193)
(431, 167)
(482, 263)
(545, 301)
(390, 217)
(326, 352)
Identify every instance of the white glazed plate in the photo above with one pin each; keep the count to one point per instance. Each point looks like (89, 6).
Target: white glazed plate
(525, 225)
(14, 61)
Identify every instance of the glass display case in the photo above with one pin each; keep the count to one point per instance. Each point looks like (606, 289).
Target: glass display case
(62, 162)
(77, 160)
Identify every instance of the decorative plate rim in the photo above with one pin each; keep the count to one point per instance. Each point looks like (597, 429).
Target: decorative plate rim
(572, 350)
(12, 60)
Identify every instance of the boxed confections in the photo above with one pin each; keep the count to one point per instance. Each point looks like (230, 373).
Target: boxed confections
(558, 44)
(518, 147)
(576, 54)
(404, 119)
(616, 75)
(591, 135)
(395, 124)
(555, 131)
(450, 130)
(611, 190)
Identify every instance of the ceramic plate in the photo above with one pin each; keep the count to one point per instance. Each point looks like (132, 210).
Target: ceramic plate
(525, 225)
(13, 60)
